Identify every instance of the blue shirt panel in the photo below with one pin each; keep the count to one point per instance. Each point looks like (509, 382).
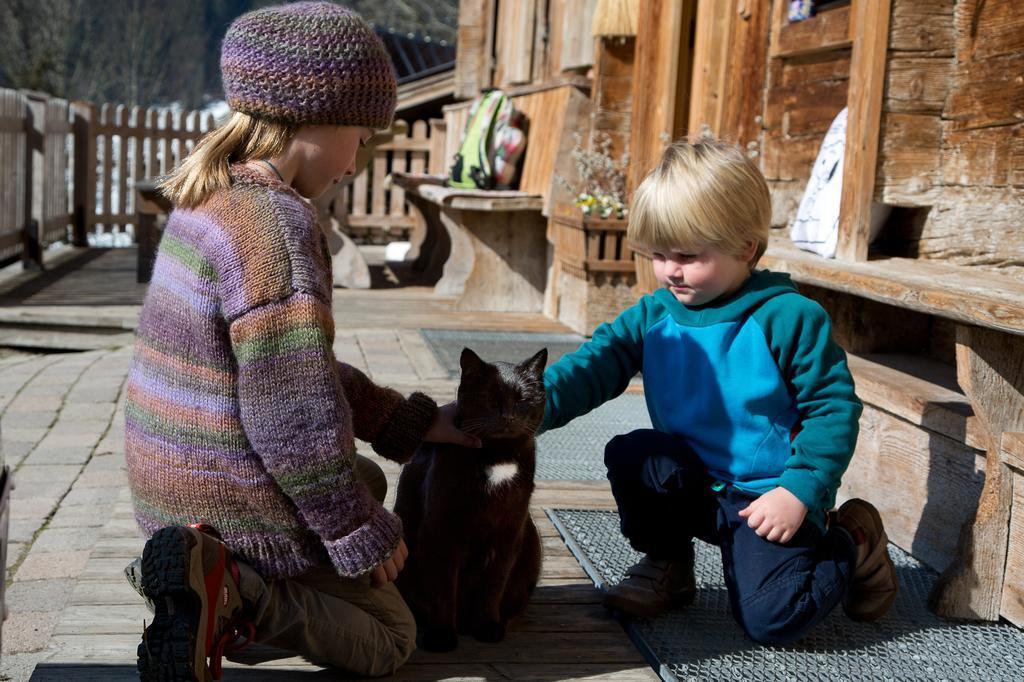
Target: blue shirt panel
(720, 388)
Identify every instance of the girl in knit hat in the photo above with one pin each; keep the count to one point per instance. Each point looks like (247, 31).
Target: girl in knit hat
(240, 422)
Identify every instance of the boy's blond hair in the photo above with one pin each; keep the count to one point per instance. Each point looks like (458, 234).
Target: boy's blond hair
(703, 193)
(205, 170)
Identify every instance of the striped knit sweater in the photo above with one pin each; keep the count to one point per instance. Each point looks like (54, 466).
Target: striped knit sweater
(238, 414)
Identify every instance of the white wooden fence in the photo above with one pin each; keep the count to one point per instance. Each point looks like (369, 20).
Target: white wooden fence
(69, 171)
(117, 146)
(369, 209)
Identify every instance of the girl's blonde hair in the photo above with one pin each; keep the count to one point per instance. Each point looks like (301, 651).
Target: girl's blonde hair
(703, 193)
(205, 170)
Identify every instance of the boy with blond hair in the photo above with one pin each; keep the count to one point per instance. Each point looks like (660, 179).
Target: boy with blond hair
(753, 407)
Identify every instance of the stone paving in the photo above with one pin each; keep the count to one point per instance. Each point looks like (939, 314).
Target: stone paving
(62, 429)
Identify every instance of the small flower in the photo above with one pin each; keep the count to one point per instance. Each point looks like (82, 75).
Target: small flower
(600, 180)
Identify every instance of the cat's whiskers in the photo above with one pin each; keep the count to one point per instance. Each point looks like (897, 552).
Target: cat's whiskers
(475, 425)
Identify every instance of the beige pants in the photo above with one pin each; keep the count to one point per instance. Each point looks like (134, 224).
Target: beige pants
(363, 630)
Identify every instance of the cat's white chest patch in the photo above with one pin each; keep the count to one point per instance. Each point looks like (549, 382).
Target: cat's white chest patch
(499, 474)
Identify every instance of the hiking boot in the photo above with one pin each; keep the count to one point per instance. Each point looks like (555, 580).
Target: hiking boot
(192, 581)
(133, 574)
(133, 571)
(874, 585)
(652, 586)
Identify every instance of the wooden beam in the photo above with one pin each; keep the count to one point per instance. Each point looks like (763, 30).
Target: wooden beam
(894, 383)
(1013, 582)
(1012, 608)
(958, 293)
(474, 54)
(829, 30)
(990, 370)
(870, 20)
(84, 201)
(1013, 453)
(744, 90)
(711, 54)
(658, 43)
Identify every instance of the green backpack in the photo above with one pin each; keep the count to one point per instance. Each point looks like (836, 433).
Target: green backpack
(491, 144)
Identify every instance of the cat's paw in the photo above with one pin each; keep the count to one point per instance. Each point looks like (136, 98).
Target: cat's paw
(489, 631)
(439, 639)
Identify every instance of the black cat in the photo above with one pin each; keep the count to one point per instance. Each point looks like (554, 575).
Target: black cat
(474, 553)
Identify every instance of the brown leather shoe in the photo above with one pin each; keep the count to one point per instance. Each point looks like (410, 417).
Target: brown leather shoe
(874, 585)
(652, 586)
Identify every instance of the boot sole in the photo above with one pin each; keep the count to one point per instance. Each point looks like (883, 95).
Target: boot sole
(169, 651)
(884, 607)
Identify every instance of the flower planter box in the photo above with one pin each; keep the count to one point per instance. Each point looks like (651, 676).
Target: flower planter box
(594, 277)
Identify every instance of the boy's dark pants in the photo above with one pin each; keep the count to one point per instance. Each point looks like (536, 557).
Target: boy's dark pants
(664, 494)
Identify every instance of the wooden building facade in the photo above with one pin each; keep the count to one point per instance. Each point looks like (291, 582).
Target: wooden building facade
(932, 312)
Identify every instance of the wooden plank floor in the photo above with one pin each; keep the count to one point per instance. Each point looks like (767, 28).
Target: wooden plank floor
(565, 634)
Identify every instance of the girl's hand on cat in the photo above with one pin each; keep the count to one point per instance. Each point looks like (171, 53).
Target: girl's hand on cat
(443, 430)
(390, 569)
(776, 515)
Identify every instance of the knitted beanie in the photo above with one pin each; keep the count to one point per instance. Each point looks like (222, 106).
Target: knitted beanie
(308, 62)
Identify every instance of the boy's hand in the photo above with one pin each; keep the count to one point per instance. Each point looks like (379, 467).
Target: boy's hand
(443, 430)
(390, 569)
(776, 515)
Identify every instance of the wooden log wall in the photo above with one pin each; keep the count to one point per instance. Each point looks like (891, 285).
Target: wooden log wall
(34, 143)
(613, 92)
(807, 79)
(513, 43)
(951, 134)
(953, 131)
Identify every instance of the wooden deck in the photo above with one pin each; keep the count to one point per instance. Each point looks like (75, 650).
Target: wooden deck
(565, 634)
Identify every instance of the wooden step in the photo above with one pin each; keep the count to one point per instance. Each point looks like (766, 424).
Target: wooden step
(63, 338)
(918, 457)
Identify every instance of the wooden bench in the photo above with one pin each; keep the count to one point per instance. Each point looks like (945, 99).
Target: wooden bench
(952, 492)
(490, 247)
(497, 249)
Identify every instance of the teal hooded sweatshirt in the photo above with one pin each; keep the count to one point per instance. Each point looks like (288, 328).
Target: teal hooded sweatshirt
(752, 381)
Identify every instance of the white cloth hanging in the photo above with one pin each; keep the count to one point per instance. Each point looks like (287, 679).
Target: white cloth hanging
(816, 227)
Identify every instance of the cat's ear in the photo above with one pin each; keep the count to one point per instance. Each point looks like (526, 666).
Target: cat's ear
(470, 361)
(535, 365)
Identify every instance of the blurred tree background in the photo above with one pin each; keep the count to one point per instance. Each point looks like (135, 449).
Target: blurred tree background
(155, 52)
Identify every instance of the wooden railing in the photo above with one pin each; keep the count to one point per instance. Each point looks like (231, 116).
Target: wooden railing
(371, 211)
(69, 171)
(117, 146)
(34, 147)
